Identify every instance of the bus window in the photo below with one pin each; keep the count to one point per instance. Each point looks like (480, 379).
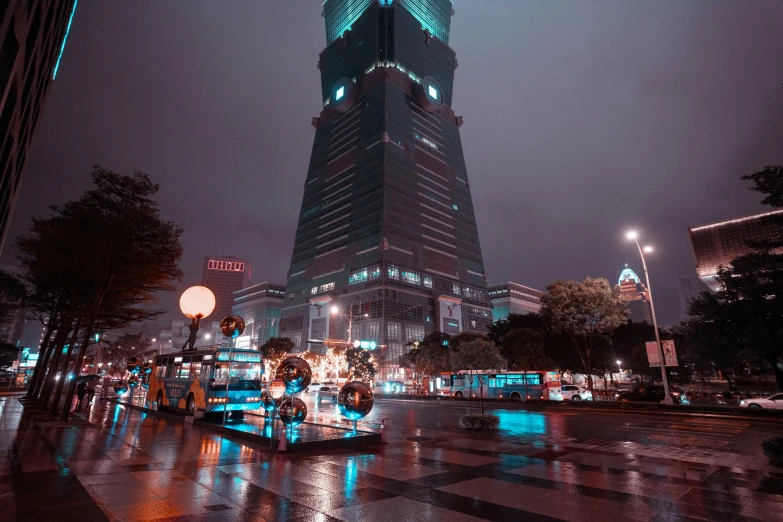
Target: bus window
(242, 375)
(195, 370)
(162, 371)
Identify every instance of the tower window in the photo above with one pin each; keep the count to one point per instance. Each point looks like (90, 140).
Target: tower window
(433, 92)
(339, 94)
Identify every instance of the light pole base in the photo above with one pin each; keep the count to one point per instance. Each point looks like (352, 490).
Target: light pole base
(668, 401)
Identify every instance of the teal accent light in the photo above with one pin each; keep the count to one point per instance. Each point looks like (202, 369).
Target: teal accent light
(339, 94)
(62, 46)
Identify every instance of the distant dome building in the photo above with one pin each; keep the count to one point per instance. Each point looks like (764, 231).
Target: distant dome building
(633, 291)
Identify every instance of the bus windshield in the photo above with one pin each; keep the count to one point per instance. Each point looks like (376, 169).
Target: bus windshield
(241, 376)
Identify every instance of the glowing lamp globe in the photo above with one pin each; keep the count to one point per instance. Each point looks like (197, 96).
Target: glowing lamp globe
(197, 302)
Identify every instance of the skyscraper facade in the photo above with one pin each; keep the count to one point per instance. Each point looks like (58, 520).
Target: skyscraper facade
(386, 241)
(718, 244)
(32, 39)
(512, 298)
(224, 276)
(635, 293)
(691, 287)
(260, 306)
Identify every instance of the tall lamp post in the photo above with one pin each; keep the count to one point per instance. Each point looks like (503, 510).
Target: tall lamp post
(335, 310)
(197, 302)
(632, 235)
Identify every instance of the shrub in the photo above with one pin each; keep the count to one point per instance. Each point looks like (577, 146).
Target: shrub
(773, 449)
(479, 422)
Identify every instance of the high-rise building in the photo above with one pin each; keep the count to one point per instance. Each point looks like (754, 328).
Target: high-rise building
(224, 276)
(718, 244)
(691, 287)
(387, 234)
(635, 293)
(512, 298)
(260, 306)
(32, 39)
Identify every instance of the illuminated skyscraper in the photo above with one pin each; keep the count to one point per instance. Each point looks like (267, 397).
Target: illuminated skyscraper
(387, 234)
(635, 293)
(512, 298)
(224, 276)
(32, 40)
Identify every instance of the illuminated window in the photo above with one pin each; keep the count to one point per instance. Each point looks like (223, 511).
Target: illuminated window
(433, 92)
(411, 277)
(339, 94)
(428, 281)
(358, 276)
(394, 272)
(314, 290)
(455, 289)
(326, 288)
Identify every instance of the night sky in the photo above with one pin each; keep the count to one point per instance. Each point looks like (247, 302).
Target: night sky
(581, 120)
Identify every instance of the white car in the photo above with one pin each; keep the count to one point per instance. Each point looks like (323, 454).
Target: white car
(327, 393)
(314, 386)
(773, 402)
(575, 393)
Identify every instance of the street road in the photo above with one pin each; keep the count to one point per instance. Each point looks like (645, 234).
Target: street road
(426, 420)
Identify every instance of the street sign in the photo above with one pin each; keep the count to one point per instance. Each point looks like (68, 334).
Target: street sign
(277, 388)
(669, 353)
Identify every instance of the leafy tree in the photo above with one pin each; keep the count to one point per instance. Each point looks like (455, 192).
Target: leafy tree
(768, 181)
(477, 356)
(456, 341)
(429, 356)
(499, 329)
(275, 350)
(360, 364)
(584, 311)
(523, 348)
(103, 258)
(118, 352)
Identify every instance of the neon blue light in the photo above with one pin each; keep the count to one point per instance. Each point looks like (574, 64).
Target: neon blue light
(433, 92)
(62, 47)
(628, 274)
(339, 94)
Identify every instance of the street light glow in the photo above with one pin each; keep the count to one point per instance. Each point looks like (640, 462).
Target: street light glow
(648, 249)
(619, 363)
(631, 235)
(206, 336)
(335, 309)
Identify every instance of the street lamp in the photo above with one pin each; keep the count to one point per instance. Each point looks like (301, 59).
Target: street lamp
(206, 336)
(197, 302)
(632, 235)
(349, 317)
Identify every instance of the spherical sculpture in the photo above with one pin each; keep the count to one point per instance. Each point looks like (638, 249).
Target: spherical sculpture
(355, 400)
(133, 381)
(120, 387)
(146, 368)
(197, 302)
(293, 414)
(296, 373)
(134, 364)
(232, 326)
(267, 402)
(145, 385)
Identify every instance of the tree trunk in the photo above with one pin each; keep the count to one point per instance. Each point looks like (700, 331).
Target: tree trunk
(79, 360)
(481, 394)
(43, 357)
(59, 386)
(47, 364)
(51, 377)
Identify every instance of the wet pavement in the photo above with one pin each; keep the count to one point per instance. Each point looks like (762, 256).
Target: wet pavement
(115, 463)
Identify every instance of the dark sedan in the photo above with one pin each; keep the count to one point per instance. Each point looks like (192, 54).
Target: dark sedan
(652, 394)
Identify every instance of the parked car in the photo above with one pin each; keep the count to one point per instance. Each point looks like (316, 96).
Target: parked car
(325, 393)
(314, 385)
(571, 392)
(652, 393)
(773, 402)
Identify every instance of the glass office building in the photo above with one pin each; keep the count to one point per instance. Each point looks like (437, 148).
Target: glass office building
(386, 248)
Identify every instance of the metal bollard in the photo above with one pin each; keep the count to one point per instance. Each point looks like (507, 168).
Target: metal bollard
(283, 446)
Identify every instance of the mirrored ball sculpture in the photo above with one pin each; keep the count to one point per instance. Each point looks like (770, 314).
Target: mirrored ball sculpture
(267, 402)
(120, 387)
(146, 368)
(355, 400)
(293, 413)
(197, 302)
(133, 381)
(134, 364)
(232, 326)
(296, 373)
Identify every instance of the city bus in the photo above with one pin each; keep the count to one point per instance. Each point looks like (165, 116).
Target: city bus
(502, 385)
(195, 381)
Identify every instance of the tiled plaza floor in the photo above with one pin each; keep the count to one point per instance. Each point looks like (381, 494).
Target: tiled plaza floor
(119, 464)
